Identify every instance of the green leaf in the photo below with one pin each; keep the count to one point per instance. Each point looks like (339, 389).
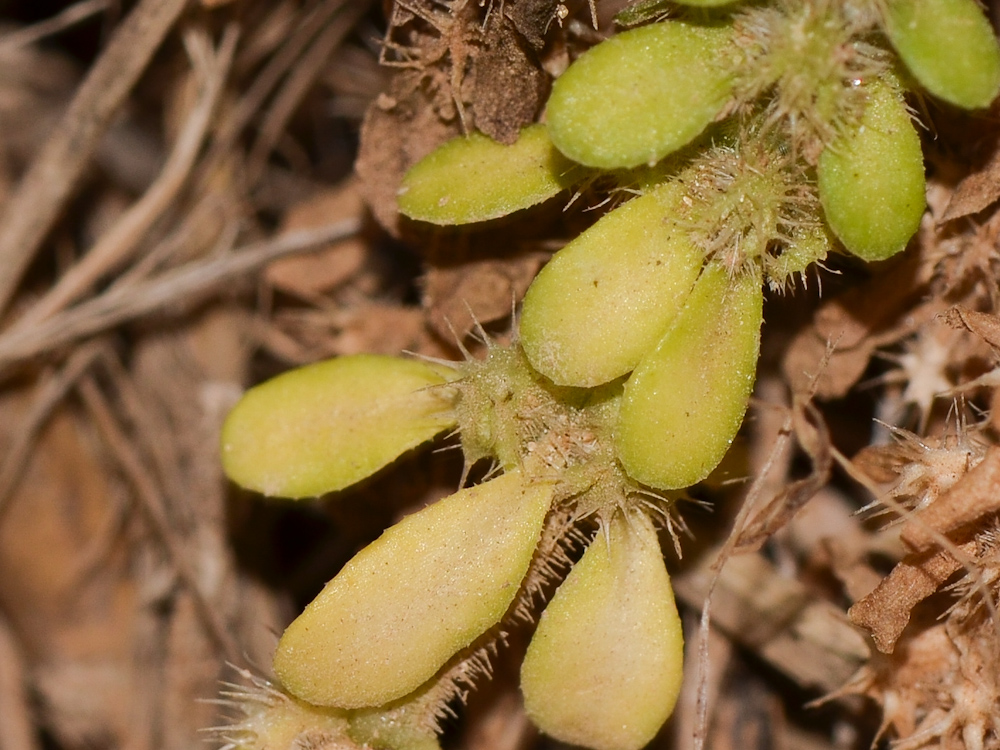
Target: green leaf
(474, 178)
(401, 727)
(641, 94)
(606, 298)
(424, 590)
(325, 426)
(685, 401)
(871, 179)
(604, 667)
(949, 46)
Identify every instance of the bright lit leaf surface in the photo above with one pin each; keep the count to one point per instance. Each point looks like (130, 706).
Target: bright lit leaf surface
(871, 180)
(604, 667)
(325, 426)
(949, 46)
(474, 178)
(641, 94)
(684, 403)
(424, 590)
(606, 298)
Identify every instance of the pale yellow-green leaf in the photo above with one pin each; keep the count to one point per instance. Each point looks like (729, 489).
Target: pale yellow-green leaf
(949, 46)
(271, 719)
(474, 178)
(325, 426)
(641, 94)
(871, 179)
(424, 590)
(391, 729)
(684, 403)
(604, 667)
(606, 298)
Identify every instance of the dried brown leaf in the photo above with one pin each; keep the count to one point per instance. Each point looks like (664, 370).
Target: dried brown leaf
(399, 129)
(331, 266)
(506, 86)
(386, 329)
(977, 190)
(68, 620)
(986, 326)
(886, 611)
(16, 715)
(532, 19)
(481, 291)
(829, 356)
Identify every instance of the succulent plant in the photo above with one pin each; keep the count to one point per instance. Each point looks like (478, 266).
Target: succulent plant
(758, 137)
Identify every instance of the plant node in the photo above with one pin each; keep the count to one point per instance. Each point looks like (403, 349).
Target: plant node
(750, 203)
(810, 58)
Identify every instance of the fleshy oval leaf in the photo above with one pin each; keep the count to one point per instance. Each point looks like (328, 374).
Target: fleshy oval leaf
(474, 178)
(642, 94)
(684, 403)
(325, 426)
(950, 48)
(607, 297)
(871, 179)
(406, 603)
(604, 667)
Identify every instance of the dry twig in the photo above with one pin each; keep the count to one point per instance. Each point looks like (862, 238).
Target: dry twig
(181, 287)
(15, 716)
(115, 247)
(30, 211)
(152, 504)
(50, 392)
(59, 22)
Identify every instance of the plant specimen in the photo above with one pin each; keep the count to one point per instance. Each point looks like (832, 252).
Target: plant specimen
(740, 144)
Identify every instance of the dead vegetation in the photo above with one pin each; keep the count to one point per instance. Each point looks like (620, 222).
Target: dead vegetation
(179, 219)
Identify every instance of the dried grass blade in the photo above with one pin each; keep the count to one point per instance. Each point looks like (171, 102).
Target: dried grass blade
(50, 392)
(116, 246)
(42, 193)
(59, 22)
(181, 287)
(151, 502)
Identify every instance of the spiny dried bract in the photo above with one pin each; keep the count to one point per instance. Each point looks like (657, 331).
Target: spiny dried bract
(642, 94)
(604, 666)
(606, 298)
(404, 605)
(941, 684)
(474, 178)
(927, 468)
(939, 691)
(949, 46)
(871, 179)
(326, 426)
